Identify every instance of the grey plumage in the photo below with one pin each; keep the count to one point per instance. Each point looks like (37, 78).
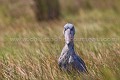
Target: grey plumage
(68, 59)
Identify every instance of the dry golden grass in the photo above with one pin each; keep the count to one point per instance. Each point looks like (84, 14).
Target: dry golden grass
(37, 60)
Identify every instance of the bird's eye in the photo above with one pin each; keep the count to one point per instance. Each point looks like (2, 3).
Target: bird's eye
(72, 28)
(65, 29)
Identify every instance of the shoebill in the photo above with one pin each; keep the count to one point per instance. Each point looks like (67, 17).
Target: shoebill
(68, 59)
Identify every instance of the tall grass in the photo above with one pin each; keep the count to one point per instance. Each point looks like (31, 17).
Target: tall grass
(29, 50)
(37, 60)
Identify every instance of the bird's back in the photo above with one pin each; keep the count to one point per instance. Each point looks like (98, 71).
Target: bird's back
(78, 64)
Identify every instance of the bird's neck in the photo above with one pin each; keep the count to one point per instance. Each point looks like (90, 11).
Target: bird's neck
(71, 46)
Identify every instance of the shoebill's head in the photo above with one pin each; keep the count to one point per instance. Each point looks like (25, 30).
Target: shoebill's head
(69, 32)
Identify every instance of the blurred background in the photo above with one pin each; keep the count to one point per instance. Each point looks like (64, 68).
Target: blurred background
(30, 31)
(49, 10)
